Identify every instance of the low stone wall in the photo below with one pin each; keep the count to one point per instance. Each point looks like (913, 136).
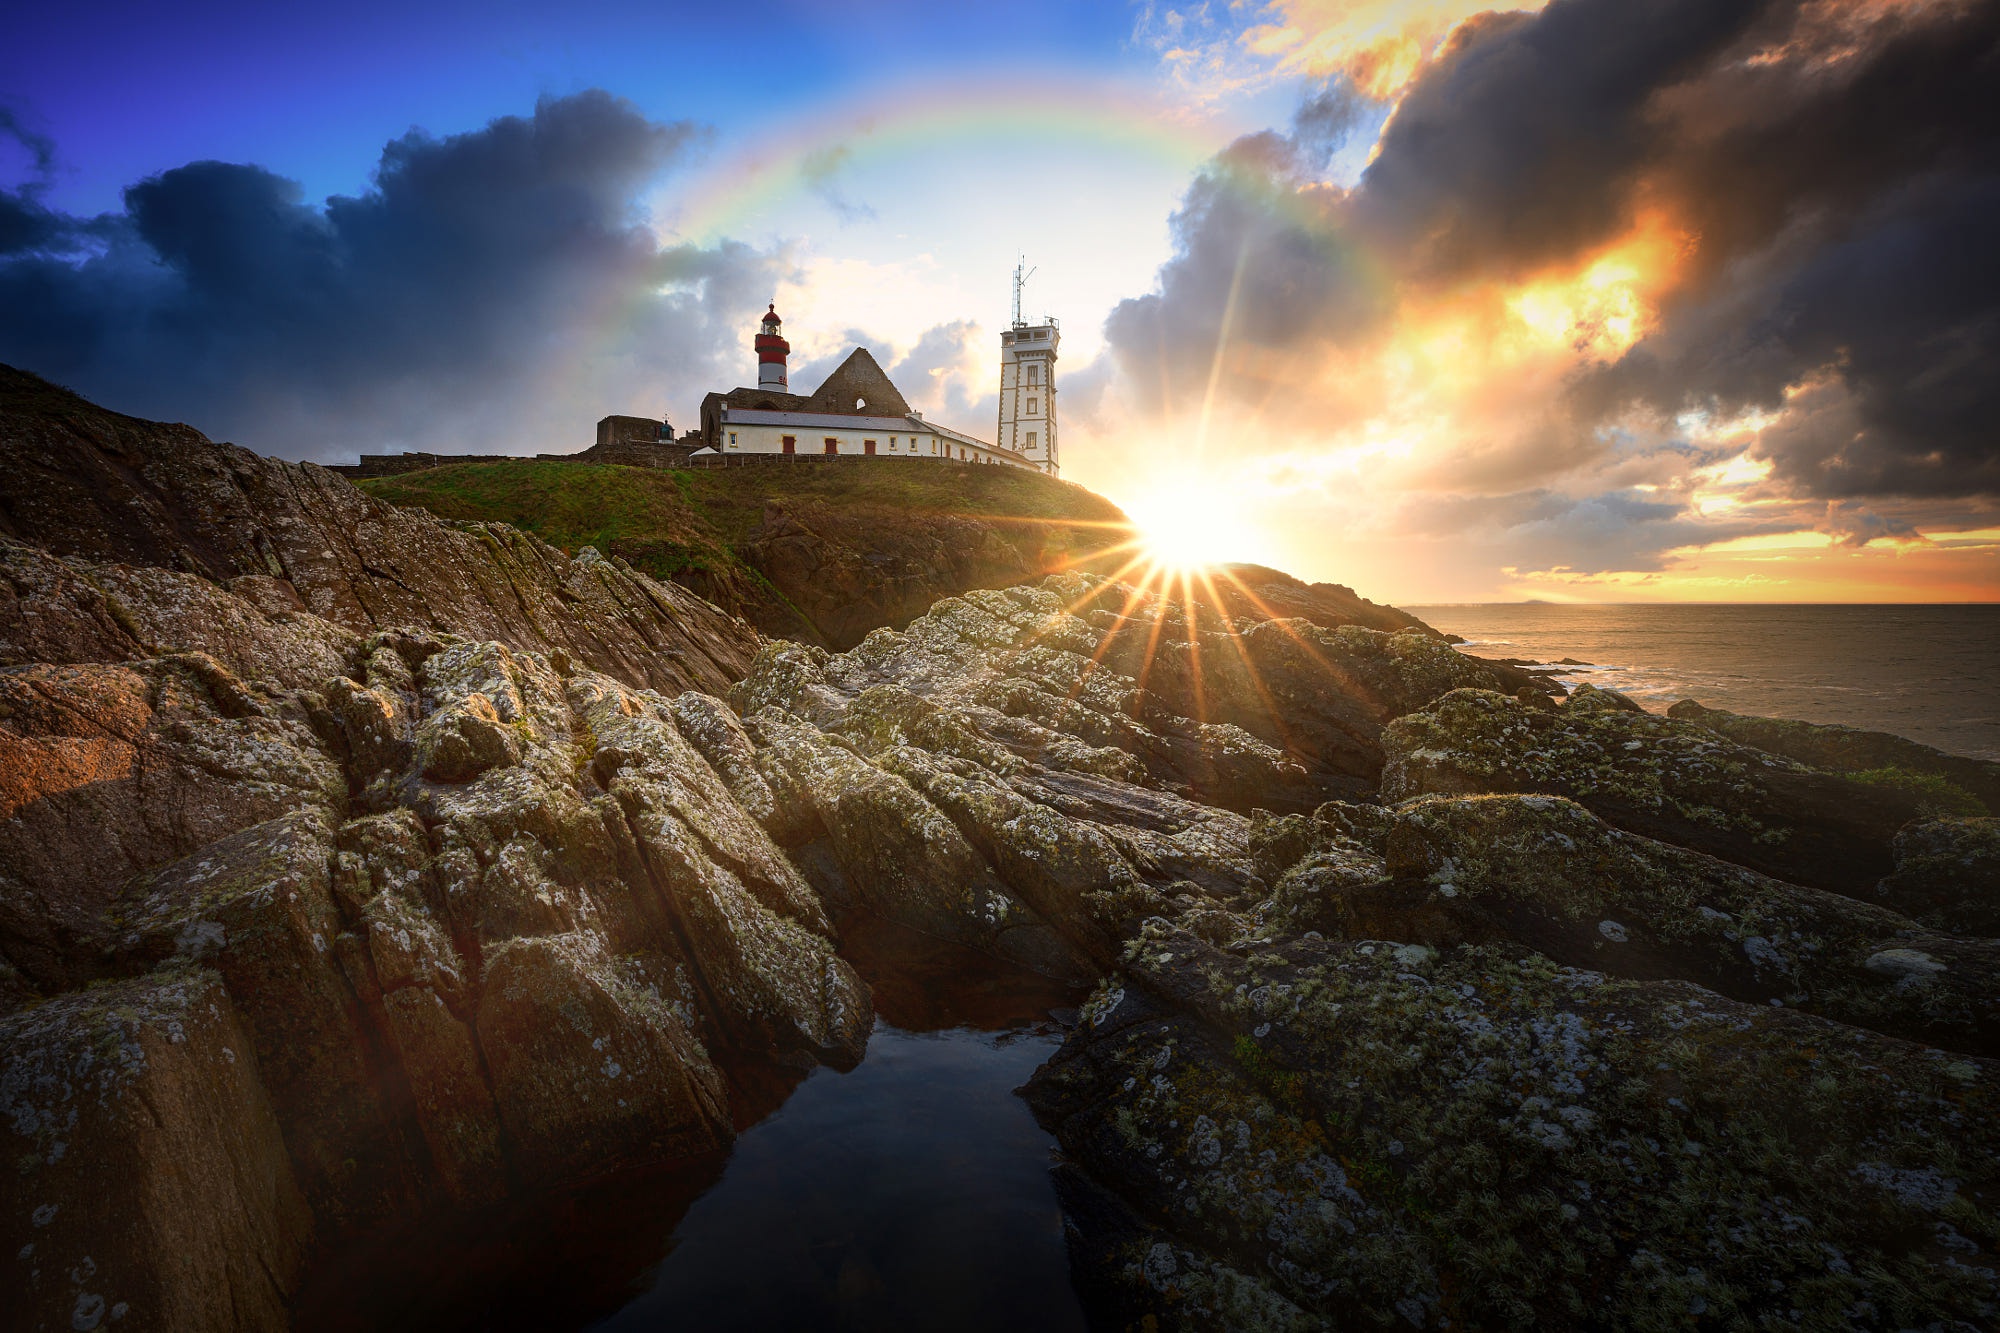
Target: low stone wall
(393, 465)
(622, 453)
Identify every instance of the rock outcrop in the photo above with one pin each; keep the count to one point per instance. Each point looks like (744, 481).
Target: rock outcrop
(1665, 778)
(1850, 750)
(76, 480)
(459, 922)
(1414, 1002)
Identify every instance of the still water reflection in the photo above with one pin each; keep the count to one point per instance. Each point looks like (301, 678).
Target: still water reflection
(912, 1192)
(909, 1193)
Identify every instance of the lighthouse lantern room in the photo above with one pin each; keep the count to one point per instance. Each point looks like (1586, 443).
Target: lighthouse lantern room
(772, 349)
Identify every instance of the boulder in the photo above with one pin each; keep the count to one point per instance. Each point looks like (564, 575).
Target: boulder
(258, 906)
(592, 1066)
(1546, 872)
(107, 771)
(147, 1183)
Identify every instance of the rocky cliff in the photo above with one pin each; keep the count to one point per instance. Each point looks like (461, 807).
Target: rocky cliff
(825, 550)
(1412, 1001)
(77, 480)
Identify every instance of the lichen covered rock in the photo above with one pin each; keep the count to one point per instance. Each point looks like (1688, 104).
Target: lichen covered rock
(1948, 875)
(1546, 872)
(1370, 1132)
(1664, 778)
(147, 1185)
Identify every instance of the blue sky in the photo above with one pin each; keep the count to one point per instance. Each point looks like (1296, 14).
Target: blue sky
(126, 90)
(1590, 299)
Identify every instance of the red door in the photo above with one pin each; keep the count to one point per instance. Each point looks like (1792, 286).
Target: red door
(868, 447)
(791, 444)
(832, 445)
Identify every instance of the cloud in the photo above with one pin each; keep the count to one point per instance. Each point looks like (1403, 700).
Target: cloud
(494, 290)
(1607, 244)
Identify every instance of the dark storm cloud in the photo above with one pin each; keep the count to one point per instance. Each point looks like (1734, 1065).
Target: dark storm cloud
(1836, 165)
(25, 222)
(428, 310)
(1255, 265)
(1522, 141)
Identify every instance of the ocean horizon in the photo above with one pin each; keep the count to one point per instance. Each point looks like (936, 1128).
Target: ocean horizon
(1926, 670)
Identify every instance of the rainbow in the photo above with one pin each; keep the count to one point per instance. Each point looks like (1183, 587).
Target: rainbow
(737, 196)
(729, 197)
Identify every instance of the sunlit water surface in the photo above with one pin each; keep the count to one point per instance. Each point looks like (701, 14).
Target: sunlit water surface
(1931, 673)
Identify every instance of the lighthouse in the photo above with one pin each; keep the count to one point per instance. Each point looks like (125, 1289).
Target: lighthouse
(772, 349)
(1028, 384)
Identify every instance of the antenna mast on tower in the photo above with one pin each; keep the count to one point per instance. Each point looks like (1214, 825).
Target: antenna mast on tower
(1020, 281)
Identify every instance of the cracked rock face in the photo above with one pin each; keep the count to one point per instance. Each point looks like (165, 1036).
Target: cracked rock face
(460, 922)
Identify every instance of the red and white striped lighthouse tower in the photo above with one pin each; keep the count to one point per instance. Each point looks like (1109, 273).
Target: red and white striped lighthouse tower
(771, 351)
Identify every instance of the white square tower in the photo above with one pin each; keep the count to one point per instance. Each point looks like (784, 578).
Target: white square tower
(1028, 385)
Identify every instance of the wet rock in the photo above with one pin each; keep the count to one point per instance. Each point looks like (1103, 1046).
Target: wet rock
(147, 1185)
(1948, 875)
(1481, 1136)
(1667, 779)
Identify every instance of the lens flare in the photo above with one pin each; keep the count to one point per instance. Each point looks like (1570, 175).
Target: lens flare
(1193, 523)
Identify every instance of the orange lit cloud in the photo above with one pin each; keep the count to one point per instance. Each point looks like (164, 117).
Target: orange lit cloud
(1630, 301)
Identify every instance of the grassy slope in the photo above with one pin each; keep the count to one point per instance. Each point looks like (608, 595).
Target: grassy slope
(667, 522)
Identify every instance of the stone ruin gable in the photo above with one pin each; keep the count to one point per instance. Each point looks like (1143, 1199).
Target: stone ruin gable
(860, 380)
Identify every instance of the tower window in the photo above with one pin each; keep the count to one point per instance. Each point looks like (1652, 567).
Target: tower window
(1034, 374)
(1031, 439)
(1031, 407)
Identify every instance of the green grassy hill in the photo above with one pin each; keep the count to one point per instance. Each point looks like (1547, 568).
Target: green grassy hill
(818, 550)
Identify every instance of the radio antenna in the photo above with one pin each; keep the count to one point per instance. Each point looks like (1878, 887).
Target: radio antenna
(1021, 275)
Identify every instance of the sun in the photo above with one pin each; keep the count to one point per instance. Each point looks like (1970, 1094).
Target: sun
(1192, 523)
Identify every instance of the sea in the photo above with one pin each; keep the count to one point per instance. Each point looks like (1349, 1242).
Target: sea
(1931, 673)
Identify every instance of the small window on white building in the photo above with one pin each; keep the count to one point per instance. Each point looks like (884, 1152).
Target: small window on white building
(732, 439)
(1031, 407)
(1031, 439)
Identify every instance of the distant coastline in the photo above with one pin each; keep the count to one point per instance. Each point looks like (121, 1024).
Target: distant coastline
(1922, 670)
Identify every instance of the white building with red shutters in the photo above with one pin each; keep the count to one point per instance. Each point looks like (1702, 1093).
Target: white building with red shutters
(856, 412)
